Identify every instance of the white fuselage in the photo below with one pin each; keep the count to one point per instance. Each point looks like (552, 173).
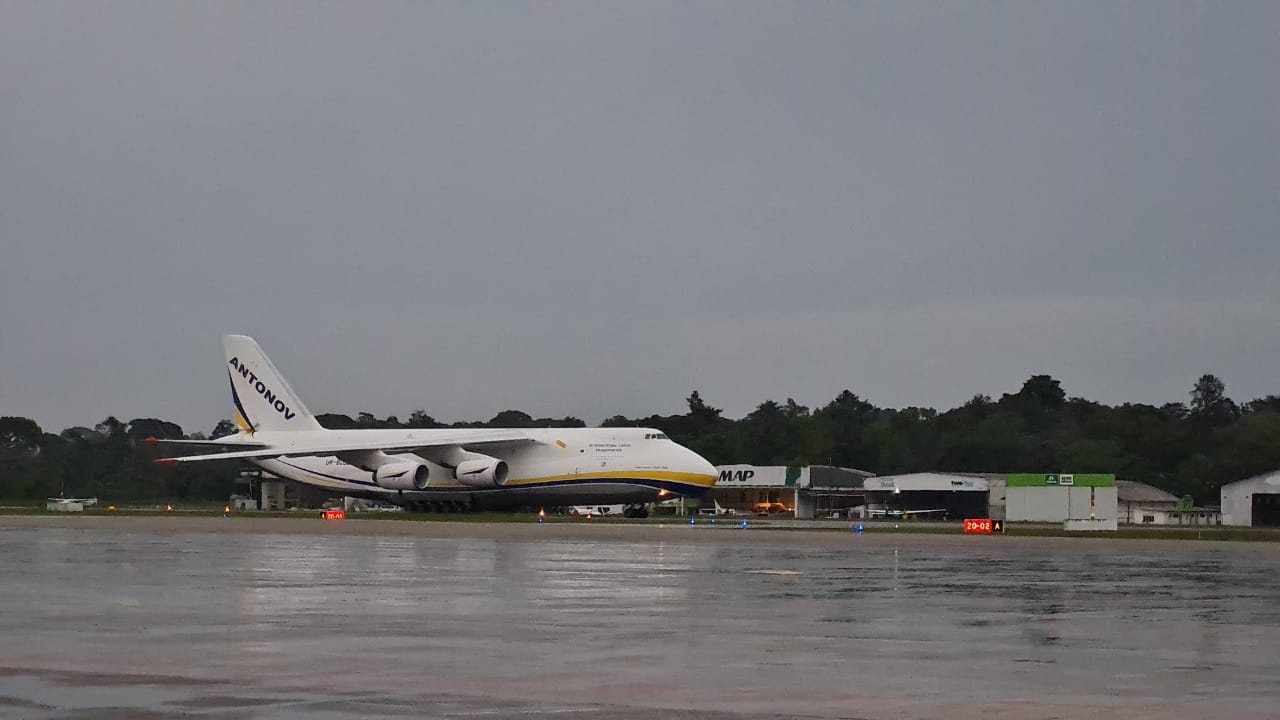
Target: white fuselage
(561, 466)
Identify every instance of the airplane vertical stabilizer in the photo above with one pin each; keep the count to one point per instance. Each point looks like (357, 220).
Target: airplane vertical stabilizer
(263, 400)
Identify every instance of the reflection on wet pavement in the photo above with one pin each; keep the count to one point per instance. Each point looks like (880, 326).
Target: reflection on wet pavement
(103, 623)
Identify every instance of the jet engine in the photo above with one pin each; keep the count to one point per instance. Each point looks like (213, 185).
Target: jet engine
(483, 472)
(402, 476)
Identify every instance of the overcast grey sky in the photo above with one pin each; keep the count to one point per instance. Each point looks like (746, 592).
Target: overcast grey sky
(593, 208)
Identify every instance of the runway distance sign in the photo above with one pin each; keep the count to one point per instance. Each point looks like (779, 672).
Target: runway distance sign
(983, 526)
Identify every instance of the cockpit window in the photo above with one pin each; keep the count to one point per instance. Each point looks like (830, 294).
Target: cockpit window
(655, 436)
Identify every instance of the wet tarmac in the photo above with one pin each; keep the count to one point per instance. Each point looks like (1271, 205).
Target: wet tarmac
(135, 618)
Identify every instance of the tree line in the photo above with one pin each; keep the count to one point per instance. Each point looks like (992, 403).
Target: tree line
(1185, 448)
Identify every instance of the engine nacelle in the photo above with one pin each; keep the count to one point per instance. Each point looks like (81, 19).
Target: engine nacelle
(481, 473)
(402, 476)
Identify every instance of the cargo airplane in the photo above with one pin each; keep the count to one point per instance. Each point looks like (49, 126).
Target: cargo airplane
(486, 468)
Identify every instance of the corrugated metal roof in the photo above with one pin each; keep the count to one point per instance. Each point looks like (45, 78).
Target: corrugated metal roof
(1128, 491)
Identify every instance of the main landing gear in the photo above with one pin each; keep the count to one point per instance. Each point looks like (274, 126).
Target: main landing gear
(635, 511)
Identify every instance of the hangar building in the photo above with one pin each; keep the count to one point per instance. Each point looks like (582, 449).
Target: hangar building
(1136, 501)
(804, 491)
(951, 496)
(1142, 504)
(832, 492)
(826, 491)
(1059, 497)
(1254, 502)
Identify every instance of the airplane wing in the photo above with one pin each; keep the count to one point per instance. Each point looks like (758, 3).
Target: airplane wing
(208, 443)
(491, 439)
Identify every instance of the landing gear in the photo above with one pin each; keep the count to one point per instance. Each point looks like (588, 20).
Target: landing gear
(635, 511)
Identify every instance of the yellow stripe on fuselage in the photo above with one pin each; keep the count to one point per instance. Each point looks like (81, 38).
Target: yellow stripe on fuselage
(695, 479)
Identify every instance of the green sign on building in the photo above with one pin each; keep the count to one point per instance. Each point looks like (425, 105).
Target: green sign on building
(1060, 479)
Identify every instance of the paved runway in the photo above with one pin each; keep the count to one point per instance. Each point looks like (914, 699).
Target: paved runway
(168, 617)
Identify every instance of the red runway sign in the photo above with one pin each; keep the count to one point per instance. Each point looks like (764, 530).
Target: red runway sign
(983, 526)
(334, 515)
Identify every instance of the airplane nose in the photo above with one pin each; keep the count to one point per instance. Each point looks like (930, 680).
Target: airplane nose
(708, 468)
(700, 466)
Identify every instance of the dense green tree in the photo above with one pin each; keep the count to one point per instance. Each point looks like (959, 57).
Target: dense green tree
(23, 456)
(702, 416)
(420, 419)
(511, 419)
(1209, 392)
(223, 429)
(109, 427)
(1269, 403)
(143, 428)
(19, 435)
(336, 421)
(1043, 388)
(1209, 400)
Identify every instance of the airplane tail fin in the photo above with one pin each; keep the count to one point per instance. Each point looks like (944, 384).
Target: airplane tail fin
(263, 400)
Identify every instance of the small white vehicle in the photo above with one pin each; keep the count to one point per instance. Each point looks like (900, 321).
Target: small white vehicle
(597, 510)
